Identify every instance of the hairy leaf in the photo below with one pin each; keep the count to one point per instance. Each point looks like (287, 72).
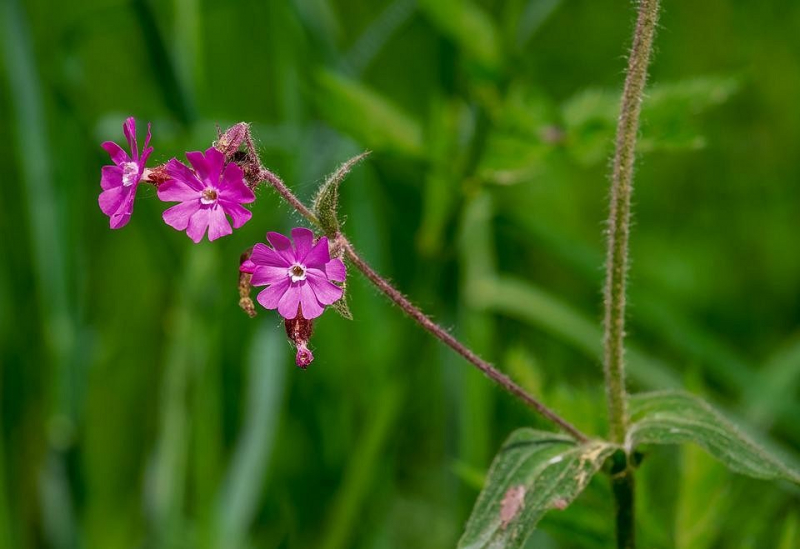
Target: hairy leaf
(534, 472)
(326, 202)
(674, 417)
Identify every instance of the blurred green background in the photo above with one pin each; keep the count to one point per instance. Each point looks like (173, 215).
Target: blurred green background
(141, 408)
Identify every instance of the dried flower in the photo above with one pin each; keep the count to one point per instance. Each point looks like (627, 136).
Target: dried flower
(298, 277)
(299, 330)
(206, 195)
(119, 182)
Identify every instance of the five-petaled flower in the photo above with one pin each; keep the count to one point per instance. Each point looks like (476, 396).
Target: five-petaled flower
(206, 194)
(298, 277)
(119, 182)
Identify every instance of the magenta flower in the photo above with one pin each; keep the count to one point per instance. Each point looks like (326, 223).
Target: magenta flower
(298, 277)
(206, 195)
(119, 182)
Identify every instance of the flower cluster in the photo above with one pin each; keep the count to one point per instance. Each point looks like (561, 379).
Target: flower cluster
(298, 274)
(208, 192)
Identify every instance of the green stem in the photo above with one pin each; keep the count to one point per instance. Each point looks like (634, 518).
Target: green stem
(619, 218)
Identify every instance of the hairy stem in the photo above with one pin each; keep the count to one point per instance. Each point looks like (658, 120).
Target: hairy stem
(619, 219)
(444, 336)
(260, 173)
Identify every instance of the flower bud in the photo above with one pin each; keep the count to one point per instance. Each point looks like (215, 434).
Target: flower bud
(230, 141)
(299, 330)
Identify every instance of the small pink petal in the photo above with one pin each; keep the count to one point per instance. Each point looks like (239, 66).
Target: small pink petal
(233, 188)
(178, 216)
(326, 292)
(129, 129)
(110, 200)
(178, 170)
(198, 223)
(239, 214)
(283, 246)
(319, 255)
(174, 190)
(118, 156)
(265, 274)
(335, 270)
(308, 301)
(303, 242)
(110, 177)
(271, 296)
(287, 306)
(218, 225)
(262, 255)
(247, 266)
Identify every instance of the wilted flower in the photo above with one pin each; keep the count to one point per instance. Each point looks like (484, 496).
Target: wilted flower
(298, 277)
(206, 194)
(119, 182)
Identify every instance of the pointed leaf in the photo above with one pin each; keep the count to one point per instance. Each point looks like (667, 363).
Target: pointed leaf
(674, 417)
(534, 472)
(341, 306)
(326, 202)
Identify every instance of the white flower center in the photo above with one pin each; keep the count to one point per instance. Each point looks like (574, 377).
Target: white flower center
(130, 173)
(297, 272)
(209, 196)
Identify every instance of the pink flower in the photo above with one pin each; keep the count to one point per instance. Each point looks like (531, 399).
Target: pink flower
(119, 182)
(206, 194)
(298, 277)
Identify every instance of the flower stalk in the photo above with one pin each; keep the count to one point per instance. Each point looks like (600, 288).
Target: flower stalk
(341, 242)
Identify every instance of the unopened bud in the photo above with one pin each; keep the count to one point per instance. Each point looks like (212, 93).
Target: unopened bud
(156, 175)
(299, 330)
(230, 141)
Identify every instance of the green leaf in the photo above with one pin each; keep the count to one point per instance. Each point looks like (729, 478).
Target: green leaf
(534, 472)
(367, 116)
(326, 202)
(341, 306)
(674, 417)
(668, 116)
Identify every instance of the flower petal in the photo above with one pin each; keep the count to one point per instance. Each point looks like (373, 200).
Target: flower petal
(110, 177)
(178, 170)
(129, 129)
(233, 188)
(178, 216)
(208, 166)
(198, 223)
(147, 149)
(247, 266)
(287, 306)
(175, 190)
(319, 255)
(335, 270)
(262, 255)
(239, 214)
(271, 296)
(283, 246)
(267, 274)
(308, 302)
(218, 225)
(118, 156)
(303, 242)
(110, 200)
(326, 291)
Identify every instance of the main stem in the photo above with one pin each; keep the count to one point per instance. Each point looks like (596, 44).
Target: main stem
(620, 216)
(617, 262)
